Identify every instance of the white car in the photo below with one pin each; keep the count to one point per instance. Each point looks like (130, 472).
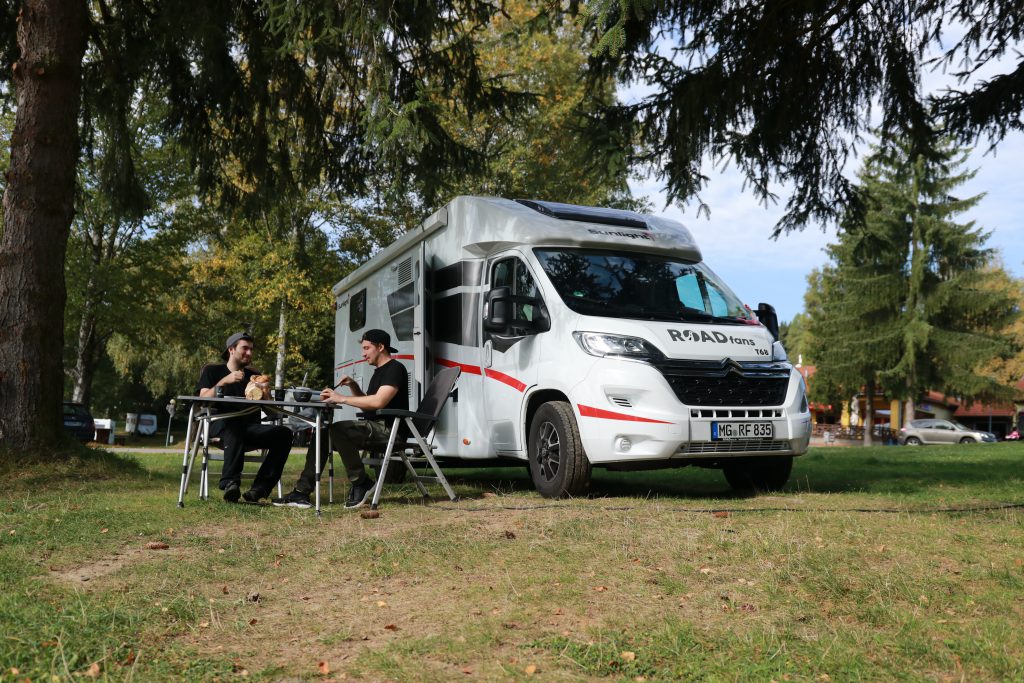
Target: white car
(941, 431)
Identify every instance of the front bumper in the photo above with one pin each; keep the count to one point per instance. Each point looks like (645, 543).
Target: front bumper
(628, 413)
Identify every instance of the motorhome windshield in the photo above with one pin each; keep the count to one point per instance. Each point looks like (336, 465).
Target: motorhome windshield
(640, 286)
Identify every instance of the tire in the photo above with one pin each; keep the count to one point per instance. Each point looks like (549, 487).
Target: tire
(913, 441)
(558, 465)
(758, 475)
(967, 439)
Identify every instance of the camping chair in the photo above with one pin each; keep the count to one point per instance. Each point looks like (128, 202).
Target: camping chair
(417, 449)
(198, 439)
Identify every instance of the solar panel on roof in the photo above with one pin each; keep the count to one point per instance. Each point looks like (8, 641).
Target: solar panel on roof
(587, 214)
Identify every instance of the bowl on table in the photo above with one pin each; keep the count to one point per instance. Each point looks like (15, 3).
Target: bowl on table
(302, 395)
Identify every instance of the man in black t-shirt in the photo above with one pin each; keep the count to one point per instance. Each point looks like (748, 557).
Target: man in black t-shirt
(388, 388)
(239, 434)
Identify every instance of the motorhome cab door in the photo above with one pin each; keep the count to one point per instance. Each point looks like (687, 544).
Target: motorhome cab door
(512, 347)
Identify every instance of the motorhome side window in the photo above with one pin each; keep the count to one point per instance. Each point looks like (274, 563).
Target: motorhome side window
(512, 273)
(357, 311)
(640, 286)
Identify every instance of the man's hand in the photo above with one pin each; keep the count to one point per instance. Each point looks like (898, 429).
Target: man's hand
(232, 378)
(328, 395)
(346, 381)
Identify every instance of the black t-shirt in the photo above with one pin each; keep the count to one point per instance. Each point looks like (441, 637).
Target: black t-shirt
(212, 374)
(391, 374)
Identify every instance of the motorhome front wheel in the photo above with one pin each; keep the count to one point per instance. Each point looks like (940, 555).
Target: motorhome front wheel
(558, 464)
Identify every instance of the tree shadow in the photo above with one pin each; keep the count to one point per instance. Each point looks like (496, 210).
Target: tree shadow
(879, 470)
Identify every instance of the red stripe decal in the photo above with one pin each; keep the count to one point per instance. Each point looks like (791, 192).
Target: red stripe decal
(505, 379)
(348, 363)
(466, 368)
(587, 411)
(404, 356)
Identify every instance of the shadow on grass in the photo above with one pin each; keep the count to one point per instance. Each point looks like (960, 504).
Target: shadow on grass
(73, 462)
(881, 470)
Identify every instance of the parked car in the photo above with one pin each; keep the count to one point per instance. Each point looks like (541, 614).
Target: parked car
(78, 421)
(941, 431)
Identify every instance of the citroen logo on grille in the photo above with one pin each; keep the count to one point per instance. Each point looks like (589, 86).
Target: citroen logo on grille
(732, 366)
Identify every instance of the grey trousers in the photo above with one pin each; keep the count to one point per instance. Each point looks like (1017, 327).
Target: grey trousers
(348, 437)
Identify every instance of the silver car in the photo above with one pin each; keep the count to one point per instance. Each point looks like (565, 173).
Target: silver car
(941, 431)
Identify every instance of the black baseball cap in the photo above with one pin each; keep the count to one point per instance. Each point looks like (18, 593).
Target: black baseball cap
(379, 337)
(232, 340)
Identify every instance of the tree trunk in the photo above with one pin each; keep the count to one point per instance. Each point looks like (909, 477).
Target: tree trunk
(38, 207)
(869, 414)
(282, 332)
(85, 356)
(92, 298)
(908, 413)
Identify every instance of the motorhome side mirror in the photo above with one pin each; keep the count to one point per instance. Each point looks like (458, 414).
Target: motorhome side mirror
(766, 314)
(498, 309)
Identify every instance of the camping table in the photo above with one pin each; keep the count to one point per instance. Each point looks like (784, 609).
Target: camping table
(197, 416)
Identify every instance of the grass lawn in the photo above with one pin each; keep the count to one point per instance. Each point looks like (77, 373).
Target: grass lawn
(875, 564)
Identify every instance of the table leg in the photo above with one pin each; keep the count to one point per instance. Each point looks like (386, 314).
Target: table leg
(316, 486)
(186, 463)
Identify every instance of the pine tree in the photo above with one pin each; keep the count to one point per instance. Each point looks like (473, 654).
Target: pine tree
(907, 303)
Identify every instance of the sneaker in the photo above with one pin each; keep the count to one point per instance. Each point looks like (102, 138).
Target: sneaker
(253, 496)
(232, 492)
(360, 493)
(295, 499)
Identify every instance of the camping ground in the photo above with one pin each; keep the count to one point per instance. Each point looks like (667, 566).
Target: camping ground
(874, 564)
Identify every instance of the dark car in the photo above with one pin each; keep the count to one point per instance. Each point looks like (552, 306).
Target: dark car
(78, 421)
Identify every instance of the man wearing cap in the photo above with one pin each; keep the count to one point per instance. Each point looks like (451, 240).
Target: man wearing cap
(239, 434)
(388, 388)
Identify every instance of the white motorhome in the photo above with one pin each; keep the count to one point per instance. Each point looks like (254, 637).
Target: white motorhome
(587, 337)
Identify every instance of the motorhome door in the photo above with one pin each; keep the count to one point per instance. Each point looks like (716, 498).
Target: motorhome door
(510, 354)
(423, 360)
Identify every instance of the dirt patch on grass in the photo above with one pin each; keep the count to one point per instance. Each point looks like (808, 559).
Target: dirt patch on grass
(115, 562)
(332, 609)
(94, 572)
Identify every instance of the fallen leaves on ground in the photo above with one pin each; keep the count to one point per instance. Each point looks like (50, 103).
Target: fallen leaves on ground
(628, 656)
(157, 545)
(324, 668)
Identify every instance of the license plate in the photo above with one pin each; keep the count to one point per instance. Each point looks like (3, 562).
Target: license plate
(723, 431)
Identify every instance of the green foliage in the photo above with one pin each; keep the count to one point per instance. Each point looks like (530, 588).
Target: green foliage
(785, 91)
(797, 340)
(909, 299)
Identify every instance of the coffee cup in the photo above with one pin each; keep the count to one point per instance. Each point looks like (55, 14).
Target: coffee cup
(279, 394)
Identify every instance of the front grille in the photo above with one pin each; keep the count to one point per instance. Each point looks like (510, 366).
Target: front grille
(727, 382)
(734, 446)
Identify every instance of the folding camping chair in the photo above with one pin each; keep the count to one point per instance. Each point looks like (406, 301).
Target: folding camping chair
(198, 439)
(417, 448)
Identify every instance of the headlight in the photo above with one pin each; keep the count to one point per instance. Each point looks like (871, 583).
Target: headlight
(616, 345)
(803, 393)
(778, 351)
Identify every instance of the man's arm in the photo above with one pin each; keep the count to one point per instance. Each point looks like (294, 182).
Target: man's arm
(372, 402)
(211, 391)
